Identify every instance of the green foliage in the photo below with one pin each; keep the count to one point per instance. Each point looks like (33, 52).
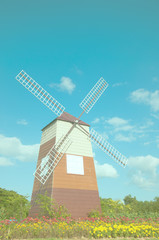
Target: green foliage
(94, 214)
(131, 207)
(143, 208)
(114, 208)
(13, 205)
(49, 207)
(17, 206)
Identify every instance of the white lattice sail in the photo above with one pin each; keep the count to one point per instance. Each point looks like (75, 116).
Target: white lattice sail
(94, 94)
(108, 148)
(40, 93)
(50, 161)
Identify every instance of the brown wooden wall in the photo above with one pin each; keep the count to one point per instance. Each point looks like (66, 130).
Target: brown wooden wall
(74, 181)
(79, 202)
(79, 193)
(39, 188)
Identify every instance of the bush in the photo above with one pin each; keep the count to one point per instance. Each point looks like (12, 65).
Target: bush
(94, 214)
(49, 207)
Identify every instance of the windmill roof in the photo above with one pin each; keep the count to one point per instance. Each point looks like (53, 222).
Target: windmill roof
(67, 118)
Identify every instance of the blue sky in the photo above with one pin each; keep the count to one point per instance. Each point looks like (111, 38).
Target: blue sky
(66, 46)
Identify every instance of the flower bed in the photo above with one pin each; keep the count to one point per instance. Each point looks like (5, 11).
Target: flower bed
(89, 227)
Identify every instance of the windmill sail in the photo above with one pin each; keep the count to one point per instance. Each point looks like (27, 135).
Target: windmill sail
(94, 94)
(40, 93)
(108, 148)
(50, 161)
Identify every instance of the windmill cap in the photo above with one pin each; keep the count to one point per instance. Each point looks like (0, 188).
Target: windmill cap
(67, 118)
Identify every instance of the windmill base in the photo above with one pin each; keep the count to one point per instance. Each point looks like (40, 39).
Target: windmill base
(78, 202)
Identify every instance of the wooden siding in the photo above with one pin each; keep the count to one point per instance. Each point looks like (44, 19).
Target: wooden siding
(81, 145)
(78, 202)
(39, 188)
(48, 133)
(62, 179)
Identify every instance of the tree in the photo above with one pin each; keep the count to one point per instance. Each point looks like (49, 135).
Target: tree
(114, 208)
(13, 204)
(130, 200)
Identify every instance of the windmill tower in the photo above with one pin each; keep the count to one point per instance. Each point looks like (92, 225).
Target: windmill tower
(65, 166)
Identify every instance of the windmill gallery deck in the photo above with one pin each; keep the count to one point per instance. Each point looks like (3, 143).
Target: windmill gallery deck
(65, 167)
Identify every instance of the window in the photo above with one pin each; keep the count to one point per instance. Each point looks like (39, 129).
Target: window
(44, 166)
(75, 164)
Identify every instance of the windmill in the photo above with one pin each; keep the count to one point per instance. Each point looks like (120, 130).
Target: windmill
(65, 166)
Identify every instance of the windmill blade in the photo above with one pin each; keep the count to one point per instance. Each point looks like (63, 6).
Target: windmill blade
(40, 93)
(108, 148)
(94, 94)
(50, 161)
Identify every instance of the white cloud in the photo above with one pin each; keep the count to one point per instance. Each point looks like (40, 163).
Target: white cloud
(96, 120)
(65, 85)
(119, 124)
(22, 122)
(146, 97)
(121, 129)
(121, 138)
(5, 162)
(105, 170)
(144, 170)
(12, 148)
(147, 163)
(141, 181)
(116, 121)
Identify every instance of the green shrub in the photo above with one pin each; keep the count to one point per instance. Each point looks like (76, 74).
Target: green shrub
(49, 207)
(94, 214)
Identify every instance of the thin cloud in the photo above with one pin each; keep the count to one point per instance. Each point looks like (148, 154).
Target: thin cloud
(156, 141)
(141, 181)
(119, 124)
(146, 97)
(22, 122)
(12, 148)
(66, 85)
(123, 131)
(155, 116)
(118, 84)
(155, 79)
(116, 126)
(116, 121)
(122, 138)
(144, 170)
(96, 120)
(5, 162)
(78, 71)
(148, 123)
